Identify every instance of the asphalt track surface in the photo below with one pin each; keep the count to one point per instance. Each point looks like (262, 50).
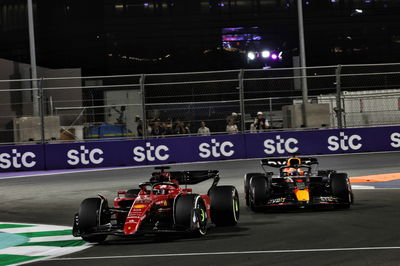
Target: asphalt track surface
(366, 234)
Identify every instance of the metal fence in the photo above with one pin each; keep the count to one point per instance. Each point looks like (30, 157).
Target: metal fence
(61, 109)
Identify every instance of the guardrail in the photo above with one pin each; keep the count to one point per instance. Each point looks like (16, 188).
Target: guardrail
(196, 149)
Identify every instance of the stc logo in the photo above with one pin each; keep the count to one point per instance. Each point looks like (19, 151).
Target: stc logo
(84, 156)
(395, 138)
(280, 145)
(344, 142)
(150, 152)
(216, 149)
(17, 159)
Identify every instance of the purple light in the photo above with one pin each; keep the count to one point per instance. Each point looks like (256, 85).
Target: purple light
(307, 2)
(333, 1)
(274, 57)
(146, 4)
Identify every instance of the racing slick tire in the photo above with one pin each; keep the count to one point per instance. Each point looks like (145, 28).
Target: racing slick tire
(247, 178)
(190, 212)
(341, 188)
(92, 212)
(224, 208)
(259, 192)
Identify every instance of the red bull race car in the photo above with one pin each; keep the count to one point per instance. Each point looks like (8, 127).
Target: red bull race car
(297, 184)
(161, 205)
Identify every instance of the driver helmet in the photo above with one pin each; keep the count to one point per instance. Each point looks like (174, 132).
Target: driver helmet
(291, 171)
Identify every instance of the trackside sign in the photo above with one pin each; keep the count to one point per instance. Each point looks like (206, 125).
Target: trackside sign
(194, 149)
(26, 157)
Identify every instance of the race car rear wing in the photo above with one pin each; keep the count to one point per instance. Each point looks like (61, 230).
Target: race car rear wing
(195, 177)
(279, 162)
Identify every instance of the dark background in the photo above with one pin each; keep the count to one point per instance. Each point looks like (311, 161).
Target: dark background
(145, 36)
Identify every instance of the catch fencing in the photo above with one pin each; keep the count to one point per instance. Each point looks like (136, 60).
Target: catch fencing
(72, 109)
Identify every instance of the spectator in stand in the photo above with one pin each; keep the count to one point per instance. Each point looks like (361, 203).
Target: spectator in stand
(139, 127)
(187, 127)
(167, 128)
(232, 128)
(179, 128)
(233, 117)
(252, 128)
(157, 129)
(260, 122)
(203, 130)
(150, 123)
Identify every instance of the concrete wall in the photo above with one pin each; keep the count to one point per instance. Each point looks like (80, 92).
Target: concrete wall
(318, 116)
(16, 103)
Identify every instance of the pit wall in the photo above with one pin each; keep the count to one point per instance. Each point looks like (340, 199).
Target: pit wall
(114, 153)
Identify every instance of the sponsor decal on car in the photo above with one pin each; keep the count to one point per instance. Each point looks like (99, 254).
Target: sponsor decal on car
(277, 200)
(328, 199)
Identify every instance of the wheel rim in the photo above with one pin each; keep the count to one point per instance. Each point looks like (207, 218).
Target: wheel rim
(203, 215)
(202, 219)
(235, 205)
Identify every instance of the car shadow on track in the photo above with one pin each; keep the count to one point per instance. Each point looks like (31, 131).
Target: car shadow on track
(212, 234)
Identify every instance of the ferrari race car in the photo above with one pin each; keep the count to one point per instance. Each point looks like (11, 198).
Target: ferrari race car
(161, 205)
(298, 183)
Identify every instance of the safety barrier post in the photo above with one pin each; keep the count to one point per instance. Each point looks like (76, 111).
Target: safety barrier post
(143, 93)
(41, 109)
(241, 99)
(339, 109)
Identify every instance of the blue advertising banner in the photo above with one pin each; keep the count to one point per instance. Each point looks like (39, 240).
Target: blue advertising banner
(328, 141)
(22, 158)
(143, 152)
(195, 149)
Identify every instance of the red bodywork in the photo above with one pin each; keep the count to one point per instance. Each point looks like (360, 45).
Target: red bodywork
(161, 195)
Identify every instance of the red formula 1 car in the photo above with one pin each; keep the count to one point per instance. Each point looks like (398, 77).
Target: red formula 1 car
(298, 184)
(159, 206)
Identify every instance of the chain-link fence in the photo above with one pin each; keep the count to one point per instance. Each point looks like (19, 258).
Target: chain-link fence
(60, 109)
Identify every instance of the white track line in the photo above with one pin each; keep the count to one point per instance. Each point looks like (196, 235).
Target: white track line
(204, 162)
(53, 238)
(362, 187)
(41, 250)
(39, 228)
(227, 253)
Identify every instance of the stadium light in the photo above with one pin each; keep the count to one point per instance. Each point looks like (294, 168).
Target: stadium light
(251, 55)
(265, 54)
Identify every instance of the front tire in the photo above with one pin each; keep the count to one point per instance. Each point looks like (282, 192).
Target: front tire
(225, 208)
(92, 213)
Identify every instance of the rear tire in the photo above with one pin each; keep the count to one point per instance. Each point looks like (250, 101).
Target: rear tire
(184, 213)
(247, 178)
(259, 192)
(92, 213)
(341, 188)
(225, 208)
